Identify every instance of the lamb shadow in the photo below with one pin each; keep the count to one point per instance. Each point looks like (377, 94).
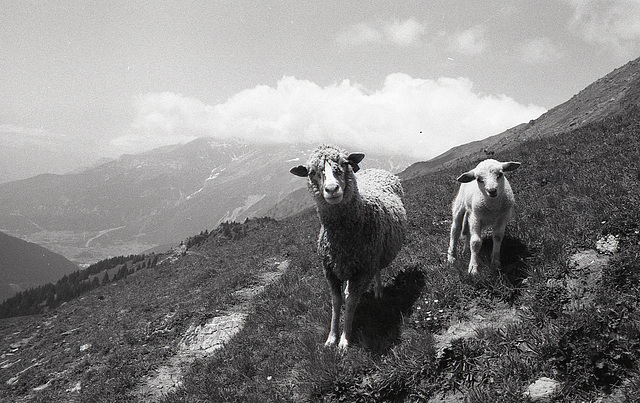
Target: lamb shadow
(513, 257)
(377, 322)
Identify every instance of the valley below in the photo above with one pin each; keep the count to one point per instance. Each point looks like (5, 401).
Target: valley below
(157, 198)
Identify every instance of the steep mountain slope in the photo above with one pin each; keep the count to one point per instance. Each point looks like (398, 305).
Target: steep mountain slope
(24, 265)
(608, 96)
(158, 197)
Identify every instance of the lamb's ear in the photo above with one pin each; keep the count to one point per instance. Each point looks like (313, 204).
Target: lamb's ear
(510, 166)
(300, 170)
(467, 177)
(354, 159)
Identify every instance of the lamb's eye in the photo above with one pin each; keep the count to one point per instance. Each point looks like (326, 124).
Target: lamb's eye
(480, 180)
(500, 175)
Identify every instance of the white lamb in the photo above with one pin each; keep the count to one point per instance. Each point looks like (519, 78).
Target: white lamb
(485, 200)
(362, 227)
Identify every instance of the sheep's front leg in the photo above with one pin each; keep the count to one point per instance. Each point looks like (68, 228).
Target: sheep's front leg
(456, 227)
(475, 244)
(335, 286)
(465, 233)
(353, 293)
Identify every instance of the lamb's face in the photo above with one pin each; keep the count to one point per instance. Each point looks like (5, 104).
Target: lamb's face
(489, 174)
(491, 181)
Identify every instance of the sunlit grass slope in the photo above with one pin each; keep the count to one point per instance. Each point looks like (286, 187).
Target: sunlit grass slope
(572, 189)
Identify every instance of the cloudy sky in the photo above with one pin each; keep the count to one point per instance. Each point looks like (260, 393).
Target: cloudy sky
(83, 80)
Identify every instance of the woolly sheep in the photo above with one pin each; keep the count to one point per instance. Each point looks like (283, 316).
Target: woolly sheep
(485, 200)
(362, 227)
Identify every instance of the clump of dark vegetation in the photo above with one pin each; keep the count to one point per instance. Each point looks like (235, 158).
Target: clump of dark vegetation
(572, 189)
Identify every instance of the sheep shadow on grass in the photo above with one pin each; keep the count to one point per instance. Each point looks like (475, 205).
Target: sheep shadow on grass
(377, 322)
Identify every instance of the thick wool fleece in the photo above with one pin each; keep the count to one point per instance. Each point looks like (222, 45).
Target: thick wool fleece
(364, 233)
(360, 234)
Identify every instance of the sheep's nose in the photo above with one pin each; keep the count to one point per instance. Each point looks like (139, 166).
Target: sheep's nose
(331, 188)
(492, 192)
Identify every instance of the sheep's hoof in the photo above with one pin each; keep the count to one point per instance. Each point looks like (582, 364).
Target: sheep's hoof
(451, 259)
(344, 344)
(331, 341)
(473, 270)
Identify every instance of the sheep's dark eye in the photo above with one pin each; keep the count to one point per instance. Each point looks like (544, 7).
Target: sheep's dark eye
(500, 175)
(480, 180)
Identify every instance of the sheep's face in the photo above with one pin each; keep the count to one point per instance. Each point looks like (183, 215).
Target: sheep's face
(489, 174)
(329, 173)
(331, 180)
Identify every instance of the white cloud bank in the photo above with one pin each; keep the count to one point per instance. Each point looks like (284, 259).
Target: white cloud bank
(415, 117)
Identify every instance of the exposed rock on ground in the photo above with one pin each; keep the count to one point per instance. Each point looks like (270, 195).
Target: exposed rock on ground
(542, 390)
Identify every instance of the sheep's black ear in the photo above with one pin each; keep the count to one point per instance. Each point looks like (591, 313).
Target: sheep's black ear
(466, 177)
(510, 166)
(300, 170)
(354, 159)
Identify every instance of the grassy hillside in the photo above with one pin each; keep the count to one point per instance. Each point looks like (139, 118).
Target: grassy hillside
(572, 189)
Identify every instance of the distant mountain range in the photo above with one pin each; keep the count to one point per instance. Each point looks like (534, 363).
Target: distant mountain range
(24, 265)
(155, 198)
(158, 198)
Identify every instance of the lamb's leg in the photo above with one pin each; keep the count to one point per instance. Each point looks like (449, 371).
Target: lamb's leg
(498, 236)
(475, 243)
(456, 227)
(335, 286)
(465, 233)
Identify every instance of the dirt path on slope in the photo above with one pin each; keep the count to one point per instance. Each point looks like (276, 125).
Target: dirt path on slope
(203, 340)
